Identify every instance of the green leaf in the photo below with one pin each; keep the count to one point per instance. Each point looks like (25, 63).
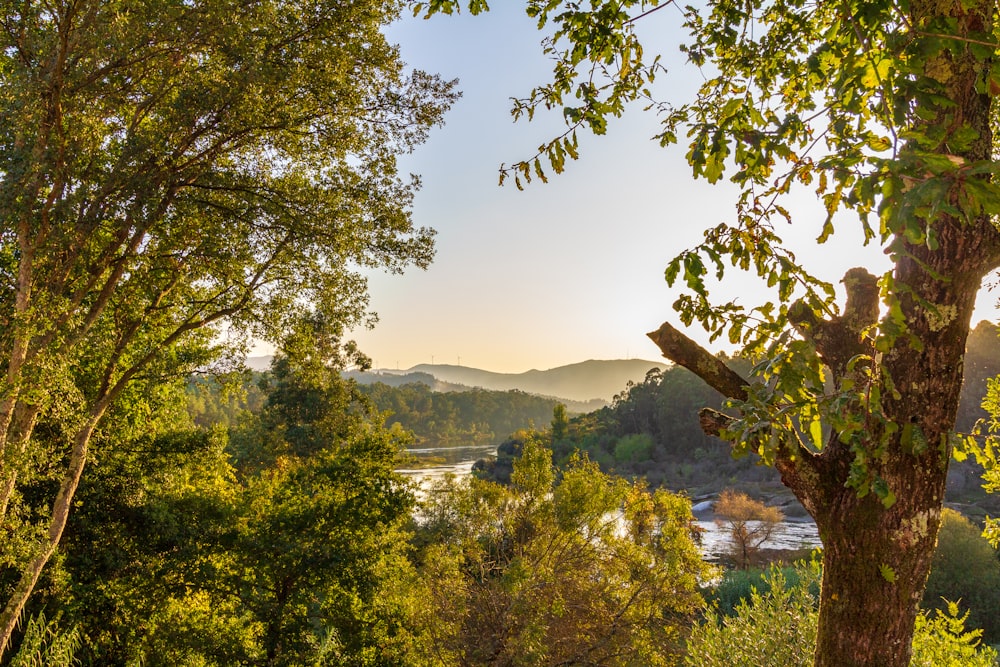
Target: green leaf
(883, 492)
(879, 143)
(673, 268)
(816, 432)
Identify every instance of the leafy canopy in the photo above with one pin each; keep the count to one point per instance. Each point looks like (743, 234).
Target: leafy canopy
(169, 173)
(586, 568)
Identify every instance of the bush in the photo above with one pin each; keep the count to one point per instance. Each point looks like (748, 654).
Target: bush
(966, 570)
(577, 569)
(942, 641)
(776, 628)
(632, 448)
(737, 586)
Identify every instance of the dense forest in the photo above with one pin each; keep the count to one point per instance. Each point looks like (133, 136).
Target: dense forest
(281, 535)
(473, 417)
(431, 418)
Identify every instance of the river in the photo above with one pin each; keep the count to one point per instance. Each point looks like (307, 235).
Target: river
(436, 462)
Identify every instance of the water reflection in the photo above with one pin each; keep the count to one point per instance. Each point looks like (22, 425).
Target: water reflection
(433, 463)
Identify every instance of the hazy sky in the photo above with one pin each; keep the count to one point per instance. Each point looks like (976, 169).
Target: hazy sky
(564, 271)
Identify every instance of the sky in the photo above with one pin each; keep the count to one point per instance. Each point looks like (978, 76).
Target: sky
(571, 269)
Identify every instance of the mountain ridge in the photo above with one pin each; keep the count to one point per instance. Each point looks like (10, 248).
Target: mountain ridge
(582, 381)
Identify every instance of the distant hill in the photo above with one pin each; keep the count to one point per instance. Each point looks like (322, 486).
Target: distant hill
(401, 379)
(578, 382)
(259, 363)
(589, 384)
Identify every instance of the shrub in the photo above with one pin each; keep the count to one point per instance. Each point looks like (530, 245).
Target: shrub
(966, 570)
(737, 586)
(942, 641)
(632, 448)
(777, 628)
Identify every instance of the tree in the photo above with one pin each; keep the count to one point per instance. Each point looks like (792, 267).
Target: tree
(886, 110)
(589, 569)
(560, 422)
(284, 544)
(750, 522)
(167, 171)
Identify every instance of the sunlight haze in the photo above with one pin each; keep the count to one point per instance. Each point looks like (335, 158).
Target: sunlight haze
(572, 269)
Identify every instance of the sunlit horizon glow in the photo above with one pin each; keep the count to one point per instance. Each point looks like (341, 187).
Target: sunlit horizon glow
(569, 270)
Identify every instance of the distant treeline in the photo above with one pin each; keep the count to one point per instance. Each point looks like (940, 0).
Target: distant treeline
(446, 419)
(436, 419)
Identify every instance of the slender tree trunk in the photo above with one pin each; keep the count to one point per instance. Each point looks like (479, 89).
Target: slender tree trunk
(57, 524)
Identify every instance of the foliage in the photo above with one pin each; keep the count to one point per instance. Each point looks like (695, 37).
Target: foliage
(560, 422)
(221, 400)
(284, 545)
(167, 171)
(776, 627)
(632, 448)
(651, 430)
(586, 568)
(987, 454)
(941, 640)
(966, 571)
(750, 522)
(44, 644)
(725, 595)
(445, 419)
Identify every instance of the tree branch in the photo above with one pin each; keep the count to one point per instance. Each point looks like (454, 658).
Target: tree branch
(683, 351)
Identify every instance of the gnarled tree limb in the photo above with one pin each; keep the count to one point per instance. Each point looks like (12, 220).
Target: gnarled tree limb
(839, 339)
(685, 352)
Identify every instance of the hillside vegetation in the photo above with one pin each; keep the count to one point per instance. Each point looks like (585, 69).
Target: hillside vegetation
(474, 417)
(651, 430)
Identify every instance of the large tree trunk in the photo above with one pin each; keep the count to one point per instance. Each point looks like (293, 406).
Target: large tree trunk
(877, 552)
(875, 565)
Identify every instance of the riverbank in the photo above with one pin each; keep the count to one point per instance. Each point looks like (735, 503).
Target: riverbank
(796, 535)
